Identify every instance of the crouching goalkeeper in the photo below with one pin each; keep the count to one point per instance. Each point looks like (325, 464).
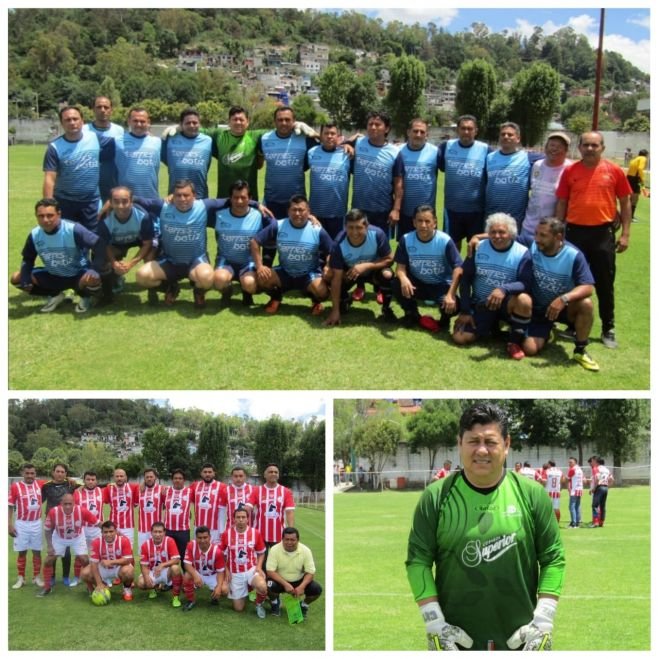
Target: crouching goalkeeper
(495, 545)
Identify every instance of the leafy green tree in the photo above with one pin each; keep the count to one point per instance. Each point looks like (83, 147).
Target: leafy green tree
(579, 123)
(15, 461)
(334, 85)
(153, 441)
(405, 98)
(43, 437)
(273, 439)
(638, 123)
(475, 89)
(95, 456)
(378, 440)
(213, 444)
(133, 465)
(362, 98)
(40, 460)
(534, 94)
(311, 457)
(499, 113)
(304, 109)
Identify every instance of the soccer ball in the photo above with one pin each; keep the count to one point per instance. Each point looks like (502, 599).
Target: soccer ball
(101, 597)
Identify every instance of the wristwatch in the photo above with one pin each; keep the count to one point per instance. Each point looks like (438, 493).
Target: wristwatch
(565, 299)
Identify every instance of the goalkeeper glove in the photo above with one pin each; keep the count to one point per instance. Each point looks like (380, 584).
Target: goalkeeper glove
(300, 128)
(441, 635)
(169, 131)
(537, 634)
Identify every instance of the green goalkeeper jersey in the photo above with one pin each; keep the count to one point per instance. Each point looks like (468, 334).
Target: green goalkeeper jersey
(493, 550)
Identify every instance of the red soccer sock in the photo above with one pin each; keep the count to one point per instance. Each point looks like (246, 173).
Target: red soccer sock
(176, 585)
(558, 515)
(188, 589)
(36, 565)
(20, 565)
(260, 598)
(77, 567)
(48, 572)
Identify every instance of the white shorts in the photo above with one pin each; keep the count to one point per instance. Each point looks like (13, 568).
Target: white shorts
(209, 580)
(78, 545)
(162, 578)
(129, 533)
(28, 535)
(109, 573)
(556, 504)
(91, 533)
(239, 582)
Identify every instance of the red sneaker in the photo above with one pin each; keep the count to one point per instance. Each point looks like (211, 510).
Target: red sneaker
(515, 351)
(272, 306)
(379, 298)
(317, 309)
(429, 323)
(128, 595)
(358, 294)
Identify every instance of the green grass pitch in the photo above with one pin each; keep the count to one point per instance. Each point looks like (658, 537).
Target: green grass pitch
(67, 620)
(605, 603)
(131, 345)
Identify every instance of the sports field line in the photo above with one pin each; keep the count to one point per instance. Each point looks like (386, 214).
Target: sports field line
(563, 597)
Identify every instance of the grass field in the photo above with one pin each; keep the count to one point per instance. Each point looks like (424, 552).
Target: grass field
(66, 620)
(134, 346)
(605, 603)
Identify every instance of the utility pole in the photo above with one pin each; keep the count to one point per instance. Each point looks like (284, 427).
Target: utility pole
(598, 72)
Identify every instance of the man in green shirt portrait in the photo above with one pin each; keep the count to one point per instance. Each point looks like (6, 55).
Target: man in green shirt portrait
(494, 543)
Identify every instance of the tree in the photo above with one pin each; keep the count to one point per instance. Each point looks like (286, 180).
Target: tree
(43, 437)
(638, 123)
(311, 457)
(95, 456)
(435, 426)
(15, 461)
(304, 109)
(334, 85)
(153, 441)
(405, 98)
(133, 465)
(213, 444)
(378, 440)
(579, 123)
(40, 460)
(273, 439)
(475, 89)
(362, 98)
(534, 95)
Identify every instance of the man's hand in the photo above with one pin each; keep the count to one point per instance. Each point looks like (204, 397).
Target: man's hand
(622, 244)
(333, 319)
(449, 304)
(555, 308)
(169, 131)
(495, 299)
(149, 582)
(12, 530)
(357, 271)
(298, 592)
(472, 245)
(263, 273)
(537, 634)
(441, 635)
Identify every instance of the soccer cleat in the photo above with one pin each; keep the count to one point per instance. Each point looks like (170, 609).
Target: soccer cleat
(119, 284)
(44, 591)
(172, 293)
(152, 296)
(153, 594)
(515, 351)
(38, 581)
(189, 606)
(176, 602)
(116, 581)
(20, 582)
(128, 595)
(429, 323)
(260, 611)
(609, 339)
(305, 609)
(66, 581)
(275, 607)
(83, 306)
(53, 302)
(199, 298)
(74, 582)
(272, 307)
(585, 360)
(317, 309)
(358, 294)
(379, 298)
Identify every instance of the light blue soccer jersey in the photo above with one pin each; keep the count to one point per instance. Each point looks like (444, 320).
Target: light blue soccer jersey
(77, 165)
(420, 180)
(285, 159)
(508, 180)
(346, 255)
(188, 158)
(183, 234)
(233, 234)
(126, 233)
(464, 181)
(375, 168)
(329, 181)
(138, 163)
(555, 275)
(108, 172)
(59, 251)
(298, 249)
(431, 262)
(495, 269)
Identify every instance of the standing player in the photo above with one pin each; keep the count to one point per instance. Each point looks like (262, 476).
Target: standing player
(25, 498)
(149, 505)
(237, 492)
(64, 530)
(552, 482)
(204, 566)
(89, 497)
(245, 552)
(599, 488)
(160, 564)
(636, 177)
(575, 487)
(209, 495)
(361, 254)
(527, 471)
(177, 510)
(122, 498)
(111, 561)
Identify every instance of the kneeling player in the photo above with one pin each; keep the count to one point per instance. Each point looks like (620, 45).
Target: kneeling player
(111, 557)
(204, 566)
(246, 550)
(159, 563)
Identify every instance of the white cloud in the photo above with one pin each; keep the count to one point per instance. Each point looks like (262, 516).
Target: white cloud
(643, 21)
(440, 17)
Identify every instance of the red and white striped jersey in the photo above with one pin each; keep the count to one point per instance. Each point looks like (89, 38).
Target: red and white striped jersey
(540, 475)
(553, 482)
(149, 506)
(91, 500)
(207, 563)
(69, 526)
(442, 473)
(122, 500)
(270, 504)
(601, 477)
(236, 497)
(27, 499)
(102, 551)
(152, 554)
(575, 474)
(207, 501)
(241, 549)
(177, 509)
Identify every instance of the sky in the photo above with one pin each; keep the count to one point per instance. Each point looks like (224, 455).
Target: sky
(296, 405)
